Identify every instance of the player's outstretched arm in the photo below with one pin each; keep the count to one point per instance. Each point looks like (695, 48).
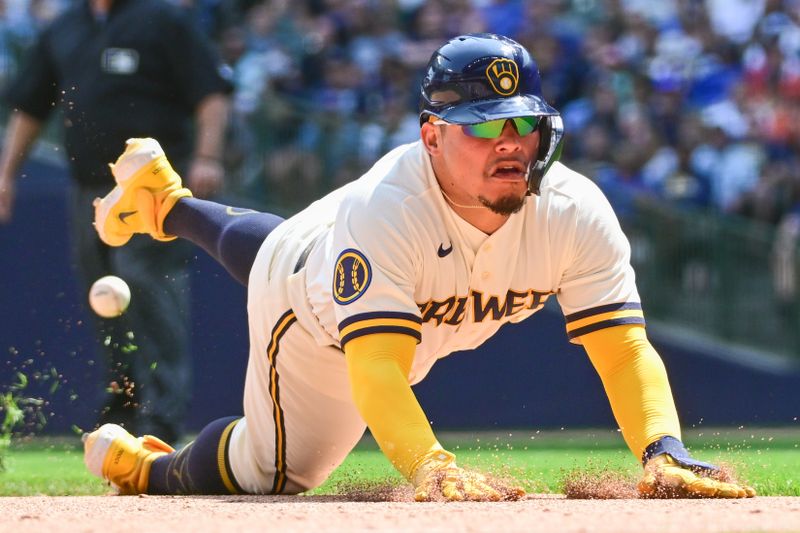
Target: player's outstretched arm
(378, 366)
(636, 383)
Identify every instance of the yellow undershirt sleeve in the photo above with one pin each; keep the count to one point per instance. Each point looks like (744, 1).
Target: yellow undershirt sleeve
(378, 366)
(636, 383)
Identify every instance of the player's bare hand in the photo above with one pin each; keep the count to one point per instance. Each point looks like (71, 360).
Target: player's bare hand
(7, 190)
(665, 478)
(205, 177)
(439, 478)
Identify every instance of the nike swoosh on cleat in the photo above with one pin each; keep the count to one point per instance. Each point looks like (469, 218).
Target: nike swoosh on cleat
(125, 214)
(442, 252)
(236, 211)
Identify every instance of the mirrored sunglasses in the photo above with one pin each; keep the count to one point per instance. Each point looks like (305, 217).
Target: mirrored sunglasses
(493, 128)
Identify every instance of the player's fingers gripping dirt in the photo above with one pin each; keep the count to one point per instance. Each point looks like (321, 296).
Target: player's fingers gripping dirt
(460, 485)
(438, 478)
(665, 478)
(455, 484)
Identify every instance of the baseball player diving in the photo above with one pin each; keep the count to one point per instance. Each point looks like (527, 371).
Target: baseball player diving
(353, 300)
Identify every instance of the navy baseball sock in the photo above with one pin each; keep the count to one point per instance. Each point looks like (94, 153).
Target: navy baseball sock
(200, 467)
(230, 235)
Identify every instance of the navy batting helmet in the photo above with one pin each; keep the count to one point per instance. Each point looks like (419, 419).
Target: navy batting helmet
(482, 76)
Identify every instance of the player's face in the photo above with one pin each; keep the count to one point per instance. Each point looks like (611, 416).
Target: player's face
(491, 172)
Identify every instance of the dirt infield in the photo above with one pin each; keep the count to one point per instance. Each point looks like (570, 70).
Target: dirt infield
(336, 513)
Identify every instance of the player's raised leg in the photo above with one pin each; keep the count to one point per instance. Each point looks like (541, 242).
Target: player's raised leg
(300, 421)
(150, 198)
(230, 235)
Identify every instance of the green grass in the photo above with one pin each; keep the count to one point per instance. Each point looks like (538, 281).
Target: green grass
(47, 468)
(768, 458)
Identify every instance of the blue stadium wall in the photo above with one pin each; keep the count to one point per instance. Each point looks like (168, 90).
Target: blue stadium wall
(528, 376)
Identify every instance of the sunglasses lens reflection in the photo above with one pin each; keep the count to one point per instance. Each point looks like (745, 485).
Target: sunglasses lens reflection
(493, 128)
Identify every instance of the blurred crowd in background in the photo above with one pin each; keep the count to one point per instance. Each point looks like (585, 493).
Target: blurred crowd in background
(691, 102)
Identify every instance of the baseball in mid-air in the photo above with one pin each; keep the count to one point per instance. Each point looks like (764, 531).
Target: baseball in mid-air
(109, 296)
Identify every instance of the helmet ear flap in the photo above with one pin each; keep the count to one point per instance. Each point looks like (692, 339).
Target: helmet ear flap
(551, 136)
(424, 117)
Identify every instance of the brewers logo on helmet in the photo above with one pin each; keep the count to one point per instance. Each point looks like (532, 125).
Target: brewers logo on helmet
(503, 74)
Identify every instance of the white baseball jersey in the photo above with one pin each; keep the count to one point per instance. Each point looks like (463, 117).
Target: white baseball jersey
(386, 253)
(390, 255)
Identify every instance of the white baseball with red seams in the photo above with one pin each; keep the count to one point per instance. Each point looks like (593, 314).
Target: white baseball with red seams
(109, 296)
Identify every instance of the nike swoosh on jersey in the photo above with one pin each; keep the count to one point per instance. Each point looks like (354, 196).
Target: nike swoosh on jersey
(125, 214)
(442, 252)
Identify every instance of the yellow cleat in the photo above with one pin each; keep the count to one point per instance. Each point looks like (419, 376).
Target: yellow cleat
(147, 189)
(123, 460)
